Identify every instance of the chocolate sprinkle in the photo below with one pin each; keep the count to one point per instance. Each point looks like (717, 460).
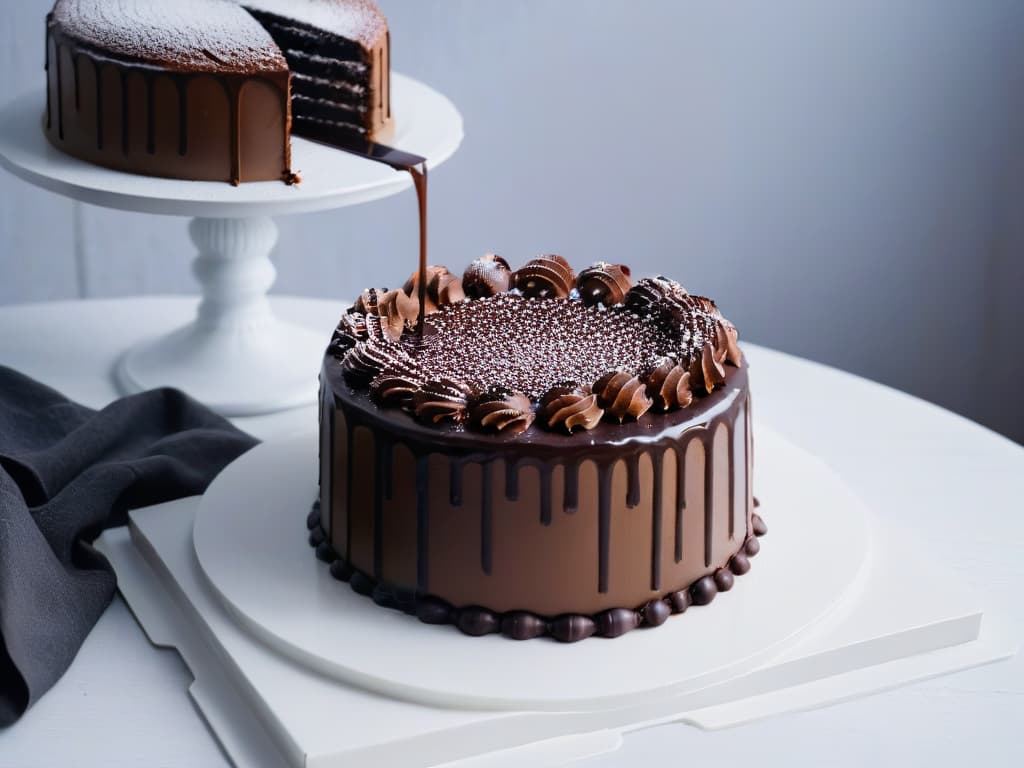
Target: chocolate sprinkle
(531, 344)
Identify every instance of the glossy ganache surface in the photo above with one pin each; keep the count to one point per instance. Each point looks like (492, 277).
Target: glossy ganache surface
(539, 444)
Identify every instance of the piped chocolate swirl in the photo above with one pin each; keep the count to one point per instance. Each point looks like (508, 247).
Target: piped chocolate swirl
(632, 346)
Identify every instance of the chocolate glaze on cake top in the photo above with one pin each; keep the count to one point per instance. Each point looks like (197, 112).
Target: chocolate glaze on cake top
(194, 35)
(503, 351)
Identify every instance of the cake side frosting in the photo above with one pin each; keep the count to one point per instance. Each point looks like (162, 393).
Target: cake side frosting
(544, 523)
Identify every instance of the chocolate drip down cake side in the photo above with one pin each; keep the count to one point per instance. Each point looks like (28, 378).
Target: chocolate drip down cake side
(541, 453)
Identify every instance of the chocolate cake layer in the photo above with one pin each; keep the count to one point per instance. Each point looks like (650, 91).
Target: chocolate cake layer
(341, 50)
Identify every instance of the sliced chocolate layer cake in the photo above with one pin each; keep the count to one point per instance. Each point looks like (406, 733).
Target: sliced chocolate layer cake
(202, 89)
(338, 53)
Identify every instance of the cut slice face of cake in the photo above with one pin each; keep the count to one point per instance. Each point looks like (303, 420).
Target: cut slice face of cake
(338, 53)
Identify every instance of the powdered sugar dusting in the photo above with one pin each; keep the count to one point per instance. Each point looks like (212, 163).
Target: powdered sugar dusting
(198, 35)
(357, 20)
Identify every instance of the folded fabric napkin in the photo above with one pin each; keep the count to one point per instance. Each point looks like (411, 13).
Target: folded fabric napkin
(66, 473)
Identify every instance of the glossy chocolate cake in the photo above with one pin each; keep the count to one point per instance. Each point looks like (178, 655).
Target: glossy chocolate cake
(538, 453)
(211, 89)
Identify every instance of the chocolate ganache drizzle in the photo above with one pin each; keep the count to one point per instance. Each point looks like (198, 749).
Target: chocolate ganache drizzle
(546, 369)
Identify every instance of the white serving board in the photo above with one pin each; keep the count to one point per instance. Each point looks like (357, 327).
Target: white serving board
(258, 562)
(268, 710)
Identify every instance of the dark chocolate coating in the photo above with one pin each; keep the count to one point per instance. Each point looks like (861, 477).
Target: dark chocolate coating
(477, 621)
(724, 579)
(325, 552)
(572, 628)
(521, 625)
(362, 583)
(341, 570)
(703, 590)
(313, 518)
(616, 621)
(656, 612)
(431, 610)
(739, 564)
(679, 601)
(383, 596)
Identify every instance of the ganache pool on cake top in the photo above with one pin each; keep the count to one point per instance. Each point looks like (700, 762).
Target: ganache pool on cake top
(539, 452)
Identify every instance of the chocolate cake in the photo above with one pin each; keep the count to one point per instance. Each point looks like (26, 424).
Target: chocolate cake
(211, 89)
(537, 452)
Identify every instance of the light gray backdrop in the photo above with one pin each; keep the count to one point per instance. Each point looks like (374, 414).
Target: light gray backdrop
(846, 178)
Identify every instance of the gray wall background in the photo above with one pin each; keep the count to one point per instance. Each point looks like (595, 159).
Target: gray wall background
(846, 178)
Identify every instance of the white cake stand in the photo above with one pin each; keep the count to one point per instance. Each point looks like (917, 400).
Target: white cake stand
(236, 356)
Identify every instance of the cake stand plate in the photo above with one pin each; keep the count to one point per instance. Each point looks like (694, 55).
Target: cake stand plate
(251, 544)
(909, 620)
(236, 356)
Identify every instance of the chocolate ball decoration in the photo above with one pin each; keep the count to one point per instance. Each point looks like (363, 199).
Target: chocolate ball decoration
(341, 570)
(752, 547)
(313, 518)
(724, 579)
(477, 621)
(656, 612)
(383, 596)
(432, 610)
(603, 283)
(547, 277)
(740, 563)
(362, 583)
(572, 628)
(521, 625)
(325, 552)
(616, 621)
(679, 601)
(487, 276)
(703, 590)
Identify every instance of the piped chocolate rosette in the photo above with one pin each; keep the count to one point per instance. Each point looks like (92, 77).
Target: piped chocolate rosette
(538, 452)
(504, 351)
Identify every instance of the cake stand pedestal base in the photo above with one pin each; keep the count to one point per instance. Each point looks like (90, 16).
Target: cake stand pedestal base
(236, 356)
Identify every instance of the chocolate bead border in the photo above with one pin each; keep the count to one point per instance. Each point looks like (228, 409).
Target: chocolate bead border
(522, 625)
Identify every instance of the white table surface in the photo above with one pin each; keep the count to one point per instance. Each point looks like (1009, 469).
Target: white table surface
(124, 702)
